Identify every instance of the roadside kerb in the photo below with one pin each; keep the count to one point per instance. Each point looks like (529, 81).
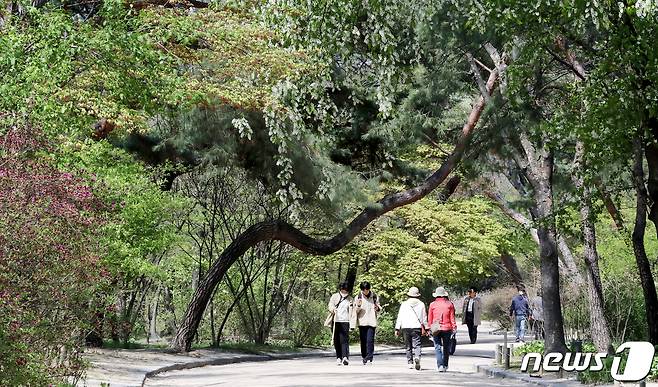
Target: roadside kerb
(233, 360)
(505, 374)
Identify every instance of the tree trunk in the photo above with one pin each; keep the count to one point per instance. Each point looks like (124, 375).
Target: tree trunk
(153, 316)
(598, 323)
(512, 268)
(278, 230)
(643, 265)
(540, 174)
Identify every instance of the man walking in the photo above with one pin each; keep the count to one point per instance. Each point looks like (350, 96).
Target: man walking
(471, 313)
(412, 320)
(520, 311)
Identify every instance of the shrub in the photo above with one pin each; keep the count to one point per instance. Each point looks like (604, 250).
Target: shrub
(385, 332)
(49, 266)
(306, 321)
(495, 306)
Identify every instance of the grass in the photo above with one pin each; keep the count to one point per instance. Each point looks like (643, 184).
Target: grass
(232, 346)
(247, 347)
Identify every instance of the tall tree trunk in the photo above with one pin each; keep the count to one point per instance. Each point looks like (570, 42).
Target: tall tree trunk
(278, 230)
(643, 265)
(550, 273)
(598, 323)
(512, 268)
(153, 316)
(540, 174)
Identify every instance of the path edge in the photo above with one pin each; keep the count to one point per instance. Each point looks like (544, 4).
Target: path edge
(503, 374)
(232, 360)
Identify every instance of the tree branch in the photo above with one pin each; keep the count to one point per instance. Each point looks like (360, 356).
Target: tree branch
(280, 230)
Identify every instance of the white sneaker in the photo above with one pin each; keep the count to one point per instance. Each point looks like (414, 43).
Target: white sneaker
(339, 361)
(411, 365)
(346, 361)
(417, 363)
(442, 369)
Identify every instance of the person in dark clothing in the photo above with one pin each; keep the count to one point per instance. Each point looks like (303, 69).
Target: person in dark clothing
(471, 313)
(519, 310)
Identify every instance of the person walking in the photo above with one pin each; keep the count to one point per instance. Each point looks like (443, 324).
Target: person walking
(412, 321)
(519, 310)
(441, 319)
(340, 309)
(364, 316)
(471, 313)
(537, 308)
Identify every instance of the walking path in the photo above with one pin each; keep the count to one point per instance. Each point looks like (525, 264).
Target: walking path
(470, 366)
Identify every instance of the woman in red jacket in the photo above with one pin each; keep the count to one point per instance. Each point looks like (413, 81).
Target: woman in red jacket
(441, 319)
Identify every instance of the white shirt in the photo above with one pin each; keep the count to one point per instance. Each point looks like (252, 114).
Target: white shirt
(343, 310)
(469, 308)
(412, 313)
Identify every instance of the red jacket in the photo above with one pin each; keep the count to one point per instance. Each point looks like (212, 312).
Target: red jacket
(443, 311)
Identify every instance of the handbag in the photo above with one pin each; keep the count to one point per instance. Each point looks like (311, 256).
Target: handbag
(453, 344)
(329, 321)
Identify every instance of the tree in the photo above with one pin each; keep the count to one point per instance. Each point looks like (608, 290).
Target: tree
(277, 230)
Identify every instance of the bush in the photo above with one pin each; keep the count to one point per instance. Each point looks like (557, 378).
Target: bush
(495, 306)
(49, 267)
(385, 332)
(306, 321)
(530, 347)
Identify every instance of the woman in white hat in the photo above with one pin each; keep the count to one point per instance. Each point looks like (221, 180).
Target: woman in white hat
(441, 319)
(412, 321)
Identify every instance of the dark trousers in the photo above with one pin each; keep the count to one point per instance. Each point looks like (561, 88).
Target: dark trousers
(442, 347)
(367, 337)
(412, 343)
(342, 339)
(472, 329)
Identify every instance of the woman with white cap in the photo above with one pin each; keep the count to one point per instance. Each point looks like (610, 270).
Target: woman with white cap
(412, 321)
(441, 319)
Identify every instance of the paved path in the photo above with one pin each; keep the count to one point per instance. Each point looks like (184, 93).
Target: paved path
(388, 369)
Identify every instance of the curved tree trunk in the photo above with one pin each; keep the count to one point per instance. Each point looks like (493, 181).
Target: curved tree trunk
(643, 264)
(279, 230)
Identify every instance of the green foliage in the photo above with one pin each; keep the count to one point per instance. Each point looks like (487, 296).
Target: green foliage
(529, 347)
(385, 332)
(140, 227)
(452, 244)
(307, 321)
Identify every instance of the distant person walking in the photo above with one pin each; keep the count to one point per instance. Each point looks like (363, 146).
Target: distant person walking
(412, 321)
(519, 310)
(471, 313)
(537, 307)
(366, 310)
(340, 309)
(441, 318)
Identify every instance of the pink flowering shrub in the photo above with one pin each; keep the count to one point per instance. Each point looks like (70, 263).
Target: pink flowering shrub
(49, 265)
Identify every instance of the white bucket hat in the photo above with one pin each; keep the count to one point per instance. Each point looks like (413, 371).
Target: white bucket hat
(440, 292)
(413, 292)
